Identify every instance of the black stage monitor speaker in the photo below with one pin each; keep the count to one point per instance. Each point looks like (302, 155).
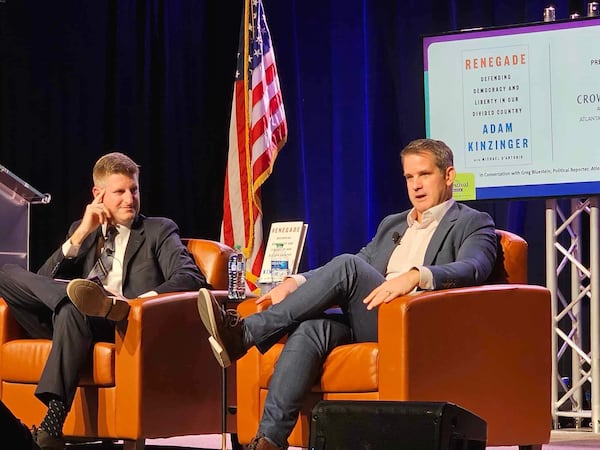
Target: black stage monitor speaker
(386, 425)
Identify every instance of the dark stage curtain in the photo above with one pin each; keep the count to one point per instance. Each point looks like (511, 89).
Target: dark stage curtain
(154, 80)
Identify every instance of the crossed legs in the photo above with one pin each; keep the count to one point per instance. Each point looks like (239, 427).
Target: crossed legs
(345, 281)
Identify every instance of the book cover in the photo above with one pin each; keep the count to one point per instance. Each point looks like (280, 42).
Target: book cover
(285, 243)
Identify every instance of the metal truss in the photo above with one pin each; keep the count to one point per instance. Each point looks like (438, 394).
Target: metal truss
(575, 290)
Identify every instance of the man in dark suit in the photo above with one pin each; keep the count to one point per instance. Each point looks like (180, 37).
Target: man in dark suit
(145, 257)
(437, 244)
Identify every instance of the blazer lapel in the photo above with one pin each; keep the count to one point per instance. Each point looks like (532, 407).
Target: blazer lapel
(136, 239)
(389, 245)
(89, 248)
(440, 234)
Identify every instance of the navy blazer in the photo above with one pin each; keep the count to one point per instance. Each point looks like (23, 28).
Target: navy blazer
(462, 250)
(155, 259)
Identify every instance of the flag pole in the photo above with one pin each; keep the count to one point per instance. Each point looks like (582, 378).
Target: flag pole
(248, 245)
(247, 112)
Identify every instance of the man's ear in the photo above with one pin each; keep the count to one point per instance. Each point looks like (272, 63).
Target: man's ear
(95, 191)
(450, 175)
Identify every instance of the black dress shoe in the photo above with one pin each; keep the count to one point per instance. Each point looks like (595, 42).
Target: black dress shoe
(46, 442)
(224, 327)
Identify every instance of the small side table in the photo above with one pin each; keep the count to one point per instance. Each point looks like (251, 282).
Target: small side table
(226, 409)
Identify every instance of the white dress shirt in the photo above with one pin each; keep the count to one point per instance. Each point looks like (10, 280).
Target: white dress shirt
(410, 251)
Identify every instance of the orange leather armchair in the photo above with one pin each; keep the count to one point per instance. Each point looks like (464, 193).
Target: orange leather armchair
(158, 379)
(485, 348)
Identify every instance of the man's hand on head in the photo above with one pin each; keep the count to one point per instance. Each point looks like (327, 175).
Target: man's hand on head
(390, 289)
(95, 215)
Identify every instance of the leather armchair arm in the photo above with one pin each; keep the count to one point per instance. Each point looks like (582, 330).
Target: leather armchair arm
(249, 306)
(9, 328)
(468, 346)
(163, 357)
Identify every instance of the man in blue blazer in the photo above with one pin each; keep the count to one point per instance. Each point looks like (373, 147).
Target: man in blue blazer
(147, 258)
(437, 244)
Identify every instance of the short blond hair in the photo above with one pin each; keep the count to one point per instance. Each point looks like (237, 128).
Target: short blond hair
(112, 163)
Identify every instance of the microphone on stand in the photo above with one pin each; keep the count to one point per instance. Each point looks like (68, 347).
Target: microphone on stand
(396, 238)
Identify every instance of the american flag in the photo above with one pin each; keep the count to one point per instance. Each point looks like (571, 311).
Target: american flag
(257, 132)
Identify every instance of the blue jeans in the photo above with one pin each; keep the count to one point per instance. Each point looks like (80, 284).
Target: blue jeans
(345, 281)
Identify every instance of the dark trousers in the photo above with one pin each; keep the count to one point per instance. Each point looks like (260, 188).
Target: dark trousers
(40, 305)
(311, 335)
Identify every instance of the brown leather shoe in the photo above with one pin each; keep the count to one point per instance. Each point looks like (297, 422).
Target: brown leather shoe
(259, 442)
(92, 300)
(46, 442)
(224, 327)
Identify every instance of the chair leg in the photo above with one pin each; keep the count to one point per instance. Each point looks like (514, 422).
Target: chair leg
(531, 447)
(133, 445)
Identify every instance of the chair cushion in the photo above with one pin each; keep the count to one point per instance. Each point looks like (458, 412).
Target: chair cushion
(349, 368)
(23, 361)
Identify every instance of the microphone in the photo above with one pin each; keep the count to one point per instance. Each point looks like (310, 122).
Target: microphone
(396, 238)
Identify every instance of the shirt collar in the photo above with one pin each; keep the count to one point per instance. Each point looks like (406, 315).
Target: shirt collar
(120, 228)
(436, 213)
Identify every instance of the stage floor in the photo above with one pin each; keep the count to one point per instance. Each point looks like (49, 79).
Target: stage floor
(560, 440)
(568, 439)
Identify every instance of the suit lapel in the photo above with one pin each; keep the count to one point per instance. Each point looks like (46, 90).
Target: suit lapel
(136, 239)
(390, 246)
(90, 249)
(401, 228)
(439, 236)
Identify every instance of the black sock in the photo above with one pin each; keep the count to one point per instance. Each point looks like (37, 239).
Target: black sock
(55, 418)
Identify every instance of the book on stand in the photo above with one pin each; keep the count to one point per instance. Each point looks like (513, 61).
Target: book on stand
(285, 243)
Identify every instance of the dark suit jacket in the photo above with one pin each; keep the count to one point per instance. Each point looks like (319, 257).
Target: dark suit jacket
(155, 259)
(462, 251)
